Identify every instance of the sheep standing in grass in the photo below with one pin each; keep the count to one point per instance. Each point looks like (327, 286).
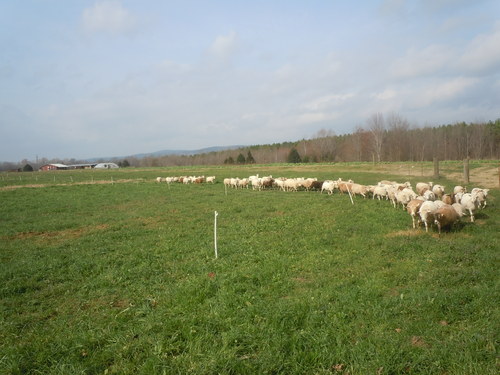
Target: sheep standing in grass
(438, 191)
(447, 198)
(328, 185)
(379, 192)
(404, 196)
(358, 189)
(413, 208)
(211, 179)
(445, 216)
(481, 195)
(470, 203)
(423, 186)
(426, 212)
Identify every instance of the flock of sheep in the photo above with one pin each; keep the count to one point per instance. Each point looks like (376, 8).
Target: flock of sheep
(187, 179)
(428, 203)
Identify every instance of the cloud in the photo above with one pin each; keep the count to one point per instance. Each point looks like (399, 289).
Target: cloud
(224, 46)
(483, 52)
(444, 91)
(327, 101)
(421, 62)
(108, 16)
(387, 94)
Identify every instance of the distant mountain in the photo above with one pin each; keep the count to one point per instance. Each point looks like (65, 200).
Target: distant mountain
(170, 152)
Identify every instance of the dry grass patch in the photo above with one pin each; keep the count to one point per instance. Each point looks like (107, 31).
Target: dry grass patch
(60, 235)
(405, 233)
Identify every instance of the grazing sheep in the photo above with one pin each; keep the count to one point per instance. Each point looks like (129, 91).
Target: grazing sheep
(404, 196)
(438, 190)
(412, 208)
(379, 192)
(307, 184)
(291, 184)
(429, 195)
(470, 203)
(211, 179)
(481, 195)
(447, 198)
(358, 189)
(426, 213)
(445, 216)
(329, 185)
(159, 179)
(423, 186)
(316, 185)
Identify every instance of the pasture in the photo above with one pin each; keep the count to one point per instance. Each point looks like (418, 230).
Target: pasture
(110, 272)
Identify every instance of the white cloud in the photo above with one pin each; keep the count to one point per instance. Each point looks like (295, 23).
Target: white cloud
(314, 117)
(224, 46)
(108, 16)
(386, 94)
(327, 101)
(444, 91)
(422, 62)
(483, 52)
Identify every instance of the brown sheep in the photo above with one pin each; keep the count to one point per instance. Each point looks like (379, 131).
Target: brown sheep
(448, 199)
(445, 216)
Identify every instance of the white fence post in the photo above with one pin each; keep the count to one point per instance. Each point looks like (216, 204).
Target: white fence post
(215, 233)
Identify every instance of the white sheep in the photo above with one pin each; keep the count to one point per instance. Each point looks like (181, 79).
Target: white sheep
(429, 195)
(211, 179)
(438, 191)
(329, 186)
(481, 195)
(380, 192)
(470, 203)
(291, 184)
(459, 189)
(426, 213)
(404, 196)
(359, 190)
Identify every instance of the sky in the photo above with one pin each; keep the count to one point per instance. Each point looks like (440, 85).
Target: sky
(82, 79)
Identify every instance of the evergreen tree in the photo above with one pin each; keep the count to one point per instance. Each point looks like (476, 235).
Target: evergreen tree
(27, 168)
(250, 159)
(293, 156)
(229, 160)
(240, 159)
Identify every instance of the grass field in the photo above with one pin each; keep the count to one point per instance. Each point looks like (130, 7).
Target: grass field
(109, 272)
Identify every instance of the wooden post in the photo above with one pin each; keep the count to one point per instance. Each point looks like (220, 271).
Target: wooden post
(466, 170)
(436, 168)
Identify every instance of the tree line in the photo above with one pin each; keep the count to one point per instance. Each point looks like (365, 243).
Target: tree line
(389, 138)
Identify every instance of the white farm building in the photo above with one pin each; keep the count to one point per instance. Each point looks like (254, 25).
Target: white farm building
(106, 166)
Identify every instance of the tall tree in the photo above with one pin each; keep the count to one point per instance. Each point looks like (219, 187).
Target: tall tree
(250, 159)
(294, 156)
(376, 127)
(240, 159)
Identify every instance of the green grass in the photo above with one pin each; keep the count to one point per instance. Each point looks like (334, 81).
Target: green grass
(121, 278)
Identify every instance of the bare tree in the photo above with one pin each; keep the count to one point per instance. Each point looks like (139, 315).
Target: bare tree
(398, 137)
(376, 127)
